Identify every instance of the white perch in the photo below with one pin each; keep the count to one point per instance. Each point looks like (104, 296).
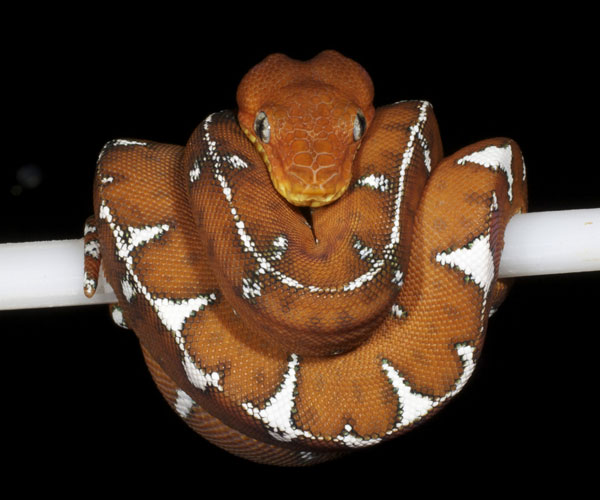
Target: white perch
(50, 273)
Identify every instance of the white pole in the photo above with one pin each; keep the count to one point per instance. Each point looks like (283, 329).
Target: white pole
(557, 242)
(50, 273)
(46, 274)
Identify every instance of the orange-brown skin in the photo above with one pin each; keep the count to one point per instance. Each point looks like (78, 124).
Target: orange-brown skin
(340, 315)
(311, 107)
(216, 235)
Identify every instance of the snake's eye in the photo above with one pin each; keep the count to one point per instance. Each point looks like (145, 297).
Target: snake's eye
(262, 127)
(360, 124)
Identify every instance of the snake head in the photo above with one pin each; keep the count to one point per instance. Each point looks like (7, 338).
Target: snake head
(307, 120)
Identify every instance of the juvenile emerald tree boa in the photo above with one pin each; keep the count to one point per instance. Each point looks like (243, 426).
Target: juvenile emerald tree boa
(311, 275)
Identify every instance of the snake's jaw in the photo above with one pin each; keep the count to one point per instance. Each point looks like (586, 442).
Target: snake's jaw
(313, 186)
(307, 171)
(304, 179)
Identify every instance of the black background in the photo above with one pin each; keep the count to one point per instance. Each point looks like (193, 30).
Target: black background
(76, 394)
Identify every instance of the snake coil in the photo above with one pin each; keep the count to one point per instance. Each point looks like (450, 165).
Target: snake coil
(310, 276)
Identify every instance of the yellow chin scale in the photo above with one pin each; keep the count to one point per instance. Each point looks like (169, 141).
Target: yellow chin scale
(313, 200)
(284, 187)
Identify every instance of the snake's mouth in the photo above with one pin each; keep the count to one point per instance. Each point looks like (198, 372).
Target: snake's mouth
(310, 196)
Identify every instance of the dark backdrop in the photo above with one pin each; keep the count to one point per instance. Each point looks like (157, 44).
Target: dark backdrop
(76, 392)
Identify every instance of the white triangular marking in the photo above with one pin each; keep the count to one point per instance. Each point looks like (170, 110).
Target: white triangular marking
(413, 405)
(495, 158)
(172, 313)
(475, 260)
(277, 412)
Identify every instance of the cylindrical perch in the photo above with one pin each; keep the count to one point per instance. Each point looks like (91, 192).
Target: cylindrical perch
(50, 273)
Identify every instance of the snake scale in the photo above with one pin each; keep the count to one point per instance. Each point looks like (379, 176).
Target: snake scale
(310, 275)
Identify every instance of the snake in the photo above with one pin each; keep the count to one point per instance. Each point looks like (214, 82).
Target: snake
(309, 275)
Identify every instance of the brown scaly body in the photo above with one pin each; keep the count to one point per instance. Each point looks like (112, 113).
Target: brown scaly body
(287, 342)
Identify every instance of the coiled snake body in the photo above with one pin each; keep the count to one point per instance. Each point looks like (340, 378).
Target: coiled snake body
(310, 276)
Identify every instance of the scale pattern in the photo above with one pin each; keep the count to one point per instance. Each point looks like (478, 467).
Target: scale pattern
(289, 342)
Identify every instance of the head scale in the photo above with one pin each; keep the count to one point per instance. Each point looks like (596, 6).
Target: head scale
(307, 119)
